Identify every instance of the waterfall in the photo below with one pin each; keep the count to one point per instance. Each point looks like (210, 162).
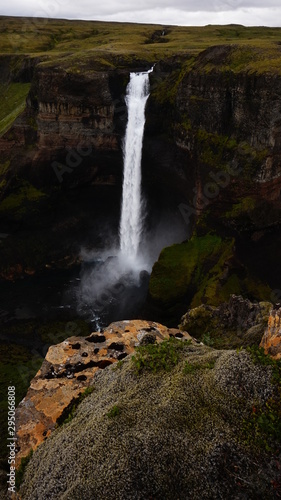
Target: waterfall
(131, 212)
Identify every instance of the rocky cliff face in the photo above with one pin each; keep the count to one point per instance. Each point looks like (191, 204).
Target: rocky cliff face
(61, 165)
(221, 121)
(214, 118)
(69, 367)
(223, 126)
(69, 118)
(235, 134)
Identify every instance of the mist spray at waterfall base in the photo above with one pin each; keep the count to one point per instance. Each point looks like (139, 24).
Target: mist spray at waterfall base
(110, 289)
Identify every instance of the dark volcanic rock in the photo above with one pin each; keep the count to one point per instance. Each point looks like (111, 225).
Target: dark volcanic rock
(238, 322)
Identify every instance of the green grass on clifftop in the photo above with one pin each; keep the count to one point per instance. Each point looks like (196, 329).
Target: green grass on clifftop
(254, 48)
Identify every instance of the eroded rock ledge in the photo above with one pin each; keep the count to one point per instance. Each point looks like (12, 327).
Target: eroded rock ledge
(69, 368)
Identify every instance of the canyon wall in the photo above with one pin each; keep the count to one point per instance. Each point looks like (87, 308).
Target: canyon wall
(199, 121)
(212, 142)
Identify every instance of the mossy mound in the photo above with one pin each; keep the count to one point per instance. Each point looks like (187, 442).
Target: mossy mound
(164, 434)
(201, 270)
(182, 267)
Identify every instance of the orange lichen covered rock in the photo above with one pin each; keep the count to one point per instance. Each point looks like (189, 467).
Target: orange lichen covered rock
(69, 368)
(271, 341)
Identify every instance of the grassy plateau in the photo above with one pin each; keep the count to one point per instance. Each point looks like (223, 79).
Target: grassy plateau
(256, 48)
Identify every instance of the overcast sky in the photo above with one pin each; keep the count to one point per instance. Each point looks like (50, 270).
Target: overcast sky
(181, 12)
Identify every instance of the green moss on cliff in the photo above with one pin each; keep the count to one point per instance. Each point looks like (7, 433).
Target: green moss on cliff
(190, 270)
(165, 92)
(223, 153)
(215, 150)
(243, 206)
(202, 270)
(13, 98)
(21, 201)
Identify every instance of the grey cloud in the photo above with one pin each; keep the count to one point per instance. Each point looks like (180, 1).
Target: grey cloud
(112, 7)
(192, 12)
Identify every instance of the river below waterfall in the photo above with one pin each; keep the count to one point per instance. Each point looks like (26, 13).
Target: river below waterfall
(84, 291)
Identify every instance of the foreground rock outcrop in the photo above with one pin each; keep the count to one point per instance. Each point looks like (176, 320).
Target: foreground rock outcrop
(69, 368)
(162, 434)
(271, 341)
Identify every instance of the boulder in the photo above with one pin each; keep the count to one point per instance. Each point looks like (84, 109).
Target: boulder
(238, 322)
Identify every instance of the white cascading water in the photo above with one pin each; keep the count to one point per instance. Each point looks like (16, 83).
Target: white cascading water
(131, 212)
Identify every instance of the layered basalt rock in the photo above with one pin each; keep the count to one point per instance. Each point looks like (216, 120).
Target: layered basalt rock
(69, 119)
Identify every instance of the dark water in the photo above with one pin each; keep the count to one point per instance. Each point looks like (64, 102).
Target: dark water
(90, 291)
(100, 290)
